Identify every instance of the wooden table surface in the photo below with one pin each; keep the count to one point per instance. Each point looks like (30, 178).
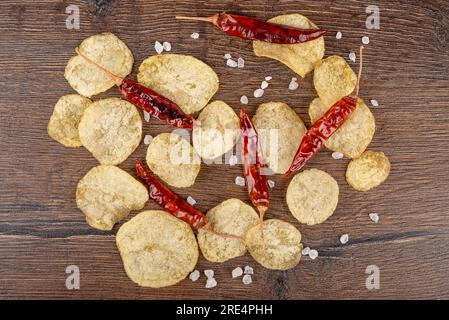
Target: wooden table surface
(407, 66)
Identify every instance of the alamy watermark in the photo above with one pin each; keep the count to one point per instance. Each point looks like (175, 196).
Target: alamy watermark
(373, 20)
(373, 280)
(72, 282)
(73, 19)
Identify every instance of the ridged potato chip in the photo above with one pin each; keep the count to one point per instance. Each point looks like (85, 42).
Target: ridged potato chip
(218, 130)
(280, 130)
(157, 249)
(333, 79)
(111, 129)
(354, 136)
(230, 217)
(108, 51)
(107, 194)
(185, 80)
(173, 159)
(301, 58)
(63, 124)
(280, 248)
(312, 196)
(368, 171)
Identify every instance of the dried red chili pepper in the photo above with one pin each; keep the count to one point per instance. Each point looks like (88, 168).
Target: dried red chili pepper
(253, 29)
(148, 100)
(325, 127)
(256, 182)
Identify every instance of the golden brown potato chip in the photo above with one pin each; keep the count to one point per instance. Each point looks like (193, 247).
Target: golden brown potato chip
(280, 248)
(230, 217)
(173, 159)
(157, 249)
(280, 130)
(63, 124)
(106, 195)
(355, 134)
(301, 58)
(217, 130)
(312, 196)
(185, 80)
(111, 130)
(108, 51)
(370, 170)
(333, 79)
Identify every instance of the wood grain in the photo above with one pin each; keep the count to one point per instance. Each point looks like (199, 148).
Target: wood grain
(42, 231)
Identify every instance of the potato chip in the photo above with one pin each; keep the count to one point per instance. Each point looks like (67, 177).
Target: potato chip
(312, 196)
(106, 195)
(108, 51)
(280, 248)
(333, 79)
(280, 130)
(157, 249)
(354, 136)
(370, 170)
(111, 129)
(217, 130)
(230, 217)
(185, 80)
(302, 57)
(63, 124)
(173, 159)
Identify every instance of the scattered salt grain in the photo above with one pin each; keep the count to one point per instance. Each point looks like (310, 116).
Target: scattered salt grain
(264, 85)
(344, 238)
(240, 63)
(167, 46)
(268, 78)
(158, 47)
(146, 116)
(247, 279)
(365, 40)
(339, 35)
(374, 103)
(231, 63)
(237, 272)
(293, 85)
(244, 100)
(248, 270)
(374, 217)
(352, 56)
(313, 254)
(227, 56)
(337, 155)
(270, 183)
(210, 283)
(191, 201)
(147, 139)
(258, 93)
(305, 251)
(195, 35)
(240, 181)
(233, 160)
(194, 276)
(209, 273)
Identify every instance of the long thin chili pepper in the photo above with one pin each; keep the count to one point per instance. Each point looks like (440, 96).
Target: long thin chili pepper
(174, 203)
(148, 100)
(326, 126)
(256, 182)
(253, 29)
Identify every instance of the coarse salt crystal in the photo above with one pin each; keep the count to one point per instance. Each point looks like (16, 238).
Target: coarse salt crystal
(258, 93)
(374, 103)
(240, 181)
(194, 276)
(158, 47)
(374, 217)
(195, 35)
(305, 251)
(313, 254)
(244, 100)
(233, 160)
(248, 270)
(344, 238)
(167, 46)
(268, 78)
(339, 35)
(352, 56)
(293, 85)
(247, 279)
(209, 273)
(146, 116)
(210, 283)
(270, 183)
(337, 155)
(237, 272)
(264, 85)
(231, 63)
(191, 201)
(147, 139)
(227, 56)
(240, 63)
(365, 40)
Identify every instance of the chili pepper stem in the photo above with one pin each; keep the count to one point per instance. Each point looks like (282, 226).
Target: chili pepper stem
(359, 76)
(208, 228)
(117, 80)
(212, 19)
(262, 210)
